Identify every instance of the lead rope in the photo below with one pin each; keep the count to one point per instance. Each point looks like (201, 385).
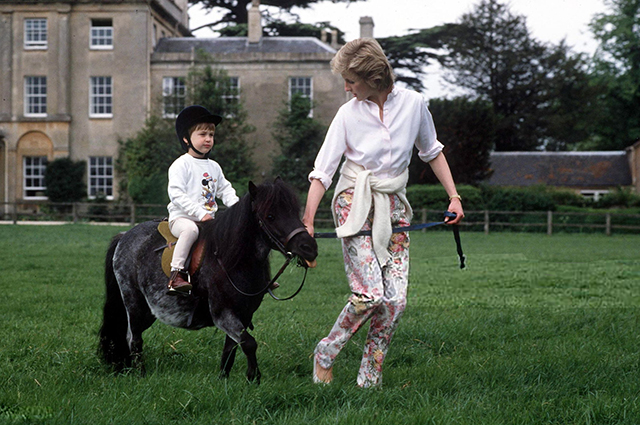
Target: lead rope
(447, 214)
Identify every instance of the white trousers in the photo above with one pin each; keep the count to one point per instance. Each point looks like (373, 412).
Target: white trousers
(187, 233)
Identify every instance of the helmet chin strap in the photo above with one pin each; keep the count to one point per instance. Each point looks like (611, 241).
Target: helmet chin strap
(190, 145)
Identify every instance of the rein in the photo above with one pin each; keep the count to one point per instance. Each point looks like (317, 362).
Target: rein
(447, 214)
(283, 250)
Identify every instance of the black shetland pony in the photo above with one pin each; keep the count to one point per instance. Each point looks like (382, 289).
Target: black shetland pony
(228, 288)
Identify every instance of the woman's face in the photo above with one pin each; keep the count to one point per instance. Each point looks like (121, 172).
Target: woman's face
(357, 87)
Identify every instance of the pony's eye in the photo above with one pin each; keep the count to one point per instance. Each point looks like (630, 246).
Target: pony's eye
(270, 217)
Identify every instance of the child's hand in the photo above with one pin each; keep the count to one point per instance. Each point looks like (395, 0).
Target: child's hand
(207, 218)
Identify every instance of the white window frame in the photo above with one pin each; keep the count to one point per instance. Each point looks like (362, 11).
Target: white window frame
(36, 33)
(101, 35)
(100, 177)
(33, 170)
(304, 86)
(231, 98)
(595, 194)
(35, 96)
(100, 97)
(174, 96)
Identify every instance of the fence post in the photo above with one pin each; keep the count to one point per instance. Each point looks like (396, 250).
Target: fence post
(74, 212)
(486, 222)
(549, 223)
(424, 218)
(133, 214)
(15, 212)
(608, 224)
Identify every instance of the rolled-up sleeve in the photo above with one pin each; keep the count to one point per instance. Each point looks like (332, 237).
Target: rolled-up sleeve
(427, 142)
(331, 152)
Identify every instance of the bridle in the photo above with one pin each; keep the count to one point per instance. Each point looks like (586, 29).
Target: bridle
(282, 248)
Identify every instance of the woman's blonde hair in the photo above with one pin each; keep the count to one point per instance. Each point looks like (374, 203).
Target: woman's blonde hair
(364, 59)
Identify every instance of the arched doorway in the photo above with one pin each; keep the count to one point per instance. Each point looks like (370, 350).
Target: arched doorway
(34, 151)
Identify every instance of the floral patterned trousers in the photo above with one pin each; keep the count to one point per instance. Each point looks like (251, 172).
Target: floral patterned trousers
(379, 293)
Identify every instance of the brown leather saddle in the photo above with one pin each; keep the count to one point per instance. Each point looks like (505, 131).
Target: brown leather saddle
(194, 261)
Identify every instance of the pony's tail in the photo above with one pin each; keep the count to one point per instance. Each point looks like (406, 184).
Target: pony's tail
(113, 347)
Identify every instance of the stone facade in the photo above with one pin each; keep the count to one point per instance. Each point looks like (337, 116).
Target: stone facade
(76, 76)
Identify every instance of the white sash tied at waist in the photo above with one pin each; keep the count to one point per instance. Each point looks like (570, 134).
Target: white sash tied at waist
(367, 189)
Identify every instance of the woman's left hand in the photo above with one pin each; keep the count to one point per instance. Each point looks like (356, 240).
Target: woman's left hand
(455, 206)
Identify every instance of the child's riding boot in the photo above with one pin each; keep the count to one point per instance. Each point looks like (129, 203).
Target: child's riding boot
(178, 284)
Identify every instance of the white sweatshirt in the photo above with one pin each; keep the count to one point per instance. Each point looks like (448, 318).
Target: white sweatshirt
(194, 185)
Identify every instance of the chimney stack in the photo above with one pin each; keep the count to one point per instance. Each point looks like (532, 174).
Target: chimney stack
(366, 27)
(255, 23)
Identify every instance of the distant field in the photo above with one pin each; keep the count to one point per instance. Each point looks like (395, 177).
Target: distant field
(537, 330)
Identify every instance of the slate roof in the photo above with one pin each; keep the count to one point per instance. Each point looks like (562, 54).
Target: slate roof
(569, 169)
(231, 45)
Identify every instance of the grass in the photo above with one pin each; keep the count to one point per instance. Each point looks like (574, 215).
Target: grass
(537, 330)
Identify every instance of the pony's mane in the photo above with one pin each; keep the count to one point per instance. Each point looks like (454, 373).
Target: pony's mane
(232, 234)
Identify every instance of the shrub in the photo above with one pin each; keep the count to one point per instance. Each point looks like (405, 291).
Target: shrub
(65, 181)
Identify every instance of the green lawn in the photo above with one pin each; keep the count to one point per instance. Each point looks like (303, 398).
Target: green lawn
(537, 330)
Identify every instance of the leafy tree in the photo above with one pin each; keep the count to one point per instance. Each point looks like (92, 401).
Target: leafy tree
(410, 54)
(299, 137)
(65, 180)
(236, 11)
(144, 158)
(569, 100)
(617, 69)
(529, 84)
(280, 28)
(143, 161)
(211, 87)
(466, 128)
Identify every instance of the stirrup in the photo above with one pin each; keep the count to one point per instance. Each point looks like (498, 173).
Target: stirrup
(180, 290)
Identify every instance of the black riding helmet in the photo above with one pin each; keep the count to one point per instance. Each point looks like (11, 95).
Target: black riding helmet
(190, 116)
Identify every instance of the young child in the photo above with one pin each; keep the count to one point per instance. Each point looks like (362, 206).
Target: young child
(194, 184)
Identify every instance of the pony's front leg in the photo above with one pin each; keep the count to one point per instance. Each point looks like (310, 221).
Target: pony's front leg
(237, 333)
(249, 347)
(228, 357)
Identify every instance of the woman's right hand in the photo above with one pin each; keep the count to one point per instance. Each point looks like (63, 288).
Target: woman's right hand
(316, 191)
(309, 227)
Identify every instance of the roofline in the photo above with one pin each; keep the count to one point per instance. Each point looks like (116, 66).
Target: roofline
(325, 46)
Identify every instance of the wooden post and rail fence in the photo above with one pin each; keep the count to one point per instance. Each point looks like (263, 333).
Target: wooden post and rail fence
(486, 221)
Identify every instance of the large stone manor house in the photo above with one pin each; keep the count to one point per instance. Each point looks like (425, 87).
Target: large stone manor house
(77, 75)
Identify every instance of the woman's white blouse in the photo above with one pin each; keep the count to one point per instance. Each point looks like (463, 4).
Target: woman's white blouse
(384, 147)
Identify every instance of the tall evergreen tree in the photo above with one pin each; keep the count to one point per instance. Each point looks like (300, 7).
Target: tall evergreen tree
(235, 12)
(494, 56)
(211, 87)
(466, 128)
(299, 137)
(617, 68)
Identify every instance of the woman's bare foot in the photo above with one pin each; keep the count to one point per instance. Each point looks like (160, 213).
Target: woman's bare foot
(320, 374)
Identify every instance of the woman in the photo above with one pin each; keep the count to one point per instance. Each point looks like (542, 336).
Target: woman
(376, 132)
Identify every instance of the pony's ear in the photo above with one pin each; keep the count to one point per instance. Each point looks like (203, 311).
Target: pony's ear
(278, 180)
(253, 190)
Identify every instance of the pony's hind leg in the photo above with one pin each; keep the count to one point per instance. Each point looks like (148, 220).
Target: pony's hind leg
(137, 324)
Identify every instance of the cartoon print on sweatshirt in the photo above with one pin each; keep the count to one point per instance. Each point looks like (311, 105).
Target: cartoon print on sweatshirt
(208, 193)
